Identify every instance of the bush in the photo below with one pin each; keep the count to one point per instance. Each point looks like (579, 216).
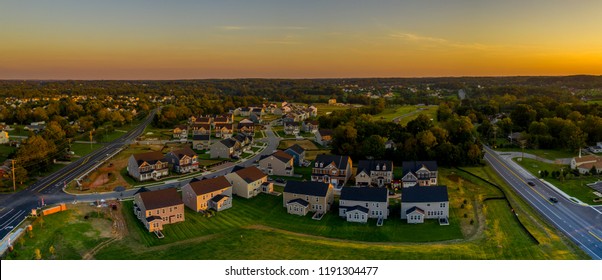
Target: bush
(465, 215)
(471, 221)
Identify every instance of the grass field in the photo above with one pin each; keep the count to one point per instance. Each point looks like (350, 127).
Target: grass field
(547, 154)
(82, 149)
(430, 111)
(5, 150)
(305, 144)
(260, 228)
(573, 186)
(325, 109)
(391, 113)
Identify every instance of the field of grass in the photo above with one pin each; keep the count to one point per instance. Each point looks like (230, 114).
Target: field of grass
(5, 150)
(305, 144)
(430, 111)
(325, 109)
(82, 149)
(547, 154)
(571, 185)
(391, 113)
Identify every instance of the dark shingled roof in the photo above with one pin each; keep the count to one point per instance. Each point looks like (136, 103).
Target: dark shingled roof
(339, 161)
(160, 199)
(209, 185)
(357, 207)
(296, 148)
(198, 126)
(370, 165)
(186, 151)
(364, 194)
(228, 142)
(424, 194)
(300, 201)
(150, 157)
(201, 137)
(325, 132)
(413, 166)
(219, 197)
(307, 188)
(414, 209)
(280, 155)
(250, 174)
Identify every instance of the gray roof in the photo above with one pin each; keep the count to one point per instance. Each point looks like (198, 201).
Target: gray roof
(364, 194)
(357, 207)
(228, 142)
(424, 194)
(339, 161)
(307, 188)
(414, 209)
(413, 166)
(300, 201)
(370, 165)
(201, 137)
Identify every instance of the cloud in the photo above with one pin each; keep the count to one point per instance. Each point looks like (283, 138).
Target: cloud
(439, 41)
(237, 27)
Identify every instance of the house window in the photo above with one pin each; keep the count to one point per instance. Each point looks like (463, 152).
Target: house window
(442, 205)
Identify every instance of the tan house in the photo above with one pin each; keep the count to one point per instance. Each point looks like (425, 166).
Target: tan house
(180, 132)
(378, 173)
(200, 119)
(246, 126)
(324, 137)
(279, 163)
(201, 141)
(585, 163)
(358, 204)
(331, 169)
(4, 137)
(184, 160)
(215, 193)
(158, 208)
(225, 148)
(299, 198)
(421, 173)
(249, 182)
(224, 130)
(147, 166)
(201, 129)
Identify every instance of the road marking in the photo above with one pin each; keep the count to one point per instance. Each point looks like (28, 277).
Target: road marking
(7, 213)
(12, 219)
(599, 239)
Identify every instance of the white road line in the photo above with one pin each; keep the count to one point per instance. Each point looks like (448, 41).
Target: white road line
(16, 216)
(7, 213)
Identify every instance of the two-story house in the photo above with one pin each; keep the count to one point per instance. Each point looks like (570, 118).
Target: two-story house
(201, 141)
(215, 193)
(421, 173)
(249, 182)
(332, 169)
(278, 163)
(147, 166)
(201, 129)
(324, 137)
(298, 154)
(224, 130)
(246, 126)
(245, 140)
(358, 204)
(225, 148)
(158, 208)
(291, 128)
(310, 126)
(377, 173)
(299, 198)
(184, 160)
(180, 132)
(418, 204)
(4, 137)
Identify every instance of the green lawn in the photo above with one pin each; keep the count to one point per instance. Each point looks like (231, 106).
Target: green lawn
(391, 113)
(571, 185)
(259, 135)
(325, 109)
(547, 154)
(82, 149)
(304, 171)
(6, 150)
(430, 111)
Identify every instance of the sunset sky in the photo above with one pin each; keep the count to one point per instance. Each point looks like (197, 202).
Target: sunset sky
(186, 39)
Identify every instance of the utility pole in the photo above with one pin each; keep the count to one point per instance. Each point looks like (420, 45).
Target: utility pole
(90, 140)
(14, 181)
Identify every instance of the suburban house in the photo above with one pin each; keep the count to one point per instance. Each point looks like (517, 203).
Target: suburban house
(332, 101)
(374, 172)
(4, 137)
(291, 128)
(299, 198)
(201, 195)
(224, 130)
(255, 118)
(146, 166)
(201, 129)
(390, 145)
(331, 169)
(222, 119)
(36, 126)
(246, 126)
(225, 148)
(310, 126)
(419, 203)
(298, 154)
(158, 208)
(245, 140)
(279, 163)
(422, 173)
(243, 111)
(324, 137)
(201, 119)
(586, 163)
(358, 204)
(313, 111)
(184, 160)
(249, 182)
(257, 111)
(596, 149)
(201, 141)
(180, 132)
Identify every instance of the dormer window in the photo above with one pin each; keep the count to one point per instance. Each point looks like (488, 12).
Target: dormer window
(377, 167)
(321, 164)
(316, 164)
(384, 167)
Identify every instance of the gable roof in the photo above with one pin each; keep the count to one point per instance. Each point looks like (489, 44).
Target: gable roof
(413, 166)
(279, 155)
(229, 143)
(149, 157)
(250, 174)
(340, 162)
(415, 209)
(307, 188)
(299, 201)
(586, 158)
(209, 185)
(219, 198)
(424, 194)
(186, 151)
(358, 208)
(370, 165)
(364, 194)
(296, 148)
(160, 199)
(198, 126)
(325, 132)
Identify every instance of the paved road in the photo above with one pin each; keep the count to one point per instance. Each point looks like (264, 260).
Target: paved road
(20, 204)
(582, 224)
(15, 207)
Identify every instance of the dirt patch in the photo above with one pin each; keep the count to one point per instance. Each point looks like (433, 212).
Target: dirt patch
(305, 144)
(103, 226)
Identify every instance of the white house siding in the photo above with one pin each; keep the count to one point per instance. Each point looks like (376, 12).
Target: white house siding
(432, 210)
(375, 209)
(296, 209)
(356, 216)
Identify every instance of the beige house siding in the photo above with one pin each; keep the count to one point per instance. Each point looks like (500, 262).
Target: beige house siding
(243, 189)
(273, 166)
(375, 209)
(168, 215)
(202, 202)
(432, 210)
(316, 203)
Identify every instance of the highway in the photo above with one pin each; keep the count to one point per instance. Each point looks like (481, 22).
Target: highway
(581, 224)
(14, 208)
(17, 206)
